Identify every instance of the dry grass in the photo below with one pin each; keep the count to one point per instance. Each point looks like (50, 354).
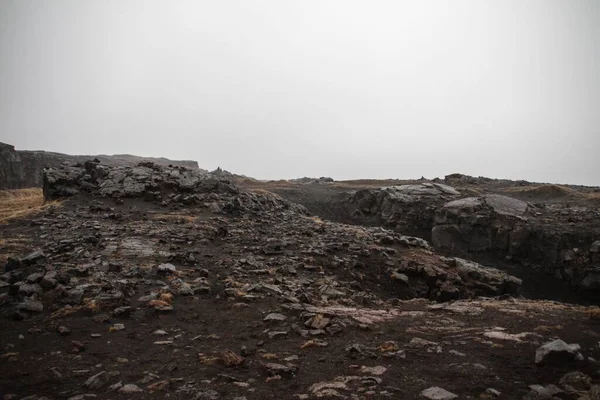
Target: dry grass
(543, 192)
(174, 216)
(20, 203)
(595, 196)
(316, 220)
(594, 313)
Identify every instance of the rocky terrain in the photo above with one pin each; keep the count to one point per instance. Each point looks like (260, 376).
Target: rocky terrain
(23, 169)
(545, 228)
(155, 282)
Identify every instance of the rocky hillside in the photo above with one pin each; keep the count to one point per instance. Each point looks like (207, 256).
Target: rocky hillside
(22, 168)
(538, 230)
(150, 282)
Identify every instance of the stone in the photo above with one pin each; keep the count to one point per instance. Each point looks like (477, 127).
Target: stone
(35, 277)
(275, 317)
(122, 311)
(377, 370)
(29, 289)
(544, 392)
(130, 388)
(556, 351)
(96, 381)
(30, 305)
(74, 296)
(115, 387)
(207, 395)
(418, 343)
(12, 263)
(437, 393)
(166, 269)
(63, 330)
(230, 358)
(576, 380)
(278, 369)
(48, 281)
(37, 257)
(400, 277)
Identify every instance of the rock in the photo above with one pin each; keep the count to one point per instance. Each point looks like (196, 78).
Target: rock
(280, 369)
(115, 387)
(118, 327)
(29, 290)
(556, 351)
(377, 370)
(122, 311)
(63, 330)
(166, 269)
(544, 392)
(275, 317)
(406, 208)
(276, 334)
(207, 395)
(31, 305)
(35, 277)
(230, 358)
(591, 281)
(12, 263)
(96, 381)
(22, 168)
(595, 247)
(418, 343)
(37, 257)
(437, 393)
(576, 380)
(492, 392)
(130, 388)
(74, 296)
(399, 277)
(49, 281)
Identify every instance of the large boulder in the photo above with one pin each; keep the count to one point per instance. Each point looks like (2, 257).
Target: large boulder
(557, 351)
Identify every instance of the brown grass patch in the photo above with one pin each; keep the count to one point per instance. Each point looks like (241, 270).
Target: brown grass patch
(541, 192)
(20, 203)
(174, 216)
(595, 196)
(13, 245)
(594, 313)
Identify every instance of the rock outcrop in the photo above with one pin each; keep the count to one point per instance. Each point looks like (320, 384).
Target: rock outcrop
(22, 168)
(477, 223)
(165, 185)
(409, 209)
(539, 235)
(311, 181)
(556, 238)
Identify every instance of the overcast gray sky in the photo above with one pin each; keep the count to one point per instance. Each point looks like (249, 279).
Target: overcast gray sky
(281, 89)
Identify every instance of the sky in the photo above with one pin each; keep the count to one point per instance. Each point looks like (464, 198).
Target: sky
(283, 89)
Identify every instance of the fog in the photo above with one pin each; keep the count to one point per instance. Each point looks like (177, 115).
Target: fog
(282, 89)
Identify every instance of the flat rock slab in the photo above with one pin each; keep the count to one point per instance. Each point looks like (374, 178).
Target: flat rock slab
(437, 393)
